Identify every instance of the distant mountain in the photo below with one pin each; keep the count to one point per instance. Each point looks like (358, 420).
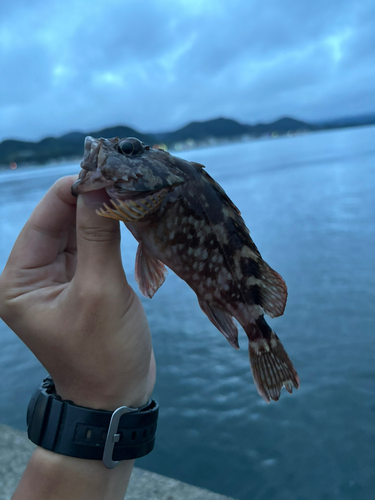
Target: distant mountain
(283, 126)
(70, 145)
(350, 121)
(219, 128)
(225, 128)
(65, 147)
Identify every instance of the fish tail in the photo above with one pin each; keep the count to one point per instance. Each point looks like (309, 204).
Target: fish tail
(270, 364)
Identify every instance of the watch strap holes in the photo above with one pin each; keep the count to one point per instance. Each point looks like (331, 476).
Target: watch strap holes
(134, 435)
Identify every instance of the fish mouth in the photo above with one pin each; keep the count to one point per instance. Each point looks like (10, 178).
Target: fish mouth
(91, 176)
(93, 155)
(90, 180)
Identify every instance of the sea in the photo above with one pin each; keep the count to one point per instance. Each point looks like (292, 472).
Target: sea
(309, 202)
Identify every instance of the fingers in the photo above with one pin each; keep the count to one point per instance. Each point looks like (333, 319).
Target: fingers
(98, 240)
(44, 234)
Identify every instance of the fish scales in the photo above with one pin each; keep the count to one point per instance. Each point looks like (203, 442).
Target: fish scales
(184, 236)
(184, 220)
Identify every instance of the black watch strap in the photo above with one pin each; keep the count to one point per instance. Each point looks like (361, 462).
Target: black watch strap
(75, 431)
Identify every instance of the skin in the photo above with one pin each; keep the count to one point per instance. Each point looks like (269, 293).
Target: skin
(64, 293)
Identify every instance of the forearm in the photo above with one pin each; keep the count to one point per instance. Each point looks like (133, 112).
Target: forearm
(50, 475)
(65, 293)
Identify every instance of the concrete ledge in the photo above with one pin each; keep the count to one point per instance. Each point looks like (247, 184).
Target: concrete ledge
(16, 449)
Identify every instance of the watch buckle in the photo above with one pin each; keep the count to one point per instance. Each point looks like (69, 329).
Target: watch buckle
(113, 436)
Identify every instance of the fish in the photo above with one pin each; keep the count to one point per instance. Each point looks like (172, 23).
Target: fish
(184, 220)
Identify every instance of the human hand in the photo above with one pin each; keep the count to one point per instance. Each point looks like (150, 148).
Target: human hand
(65, 294)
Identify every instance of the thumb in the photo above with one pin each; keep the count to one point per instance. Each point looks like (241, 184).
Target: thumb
(98, 239)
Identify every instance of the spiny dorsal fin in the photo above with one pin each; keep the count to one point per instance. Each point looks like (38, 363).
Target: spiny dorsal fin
(223, 195)
(198, 165)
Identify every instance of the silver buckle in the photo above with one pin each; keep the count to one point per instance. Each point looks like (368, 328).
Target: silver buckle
(113, 436)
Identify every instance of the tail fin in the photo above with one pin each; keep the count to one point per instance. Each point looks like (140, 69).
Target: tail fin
(270, 364)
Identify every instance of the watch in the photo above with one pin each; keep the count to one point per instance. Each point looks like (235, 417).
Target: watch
(63, 427)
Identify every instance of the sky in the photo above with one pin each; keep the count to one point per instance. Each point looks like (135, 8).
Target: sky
(156, 65)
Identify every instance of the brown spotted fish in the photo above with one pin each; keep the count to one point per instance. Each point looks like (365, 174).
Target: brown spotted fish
(184, 220)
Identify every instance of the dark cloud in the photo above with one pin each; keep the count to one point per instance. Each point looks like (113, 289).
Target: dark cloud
(78, 65)
(25, 74)
(120, 34)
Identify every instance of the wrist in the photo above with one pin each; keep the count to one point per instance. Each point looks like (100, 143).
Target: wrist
(94, 434)
(104, 399)
(108, 392)
(50, 474)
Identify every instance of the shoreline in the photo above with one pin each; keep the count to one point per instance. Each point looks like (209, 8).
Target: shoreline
(16, 449)
(197, 145)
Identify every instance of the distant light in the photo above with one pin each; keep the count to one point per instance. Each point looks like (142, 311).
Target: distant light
(160, 146)
(13, 165)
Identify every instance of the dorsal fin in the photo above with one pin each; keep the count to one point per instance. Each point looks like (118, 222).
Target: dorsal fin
(223, 195)
(198, 165)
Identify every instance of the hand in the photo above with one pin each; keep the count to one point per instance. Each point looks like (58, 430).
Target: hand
(65, 294)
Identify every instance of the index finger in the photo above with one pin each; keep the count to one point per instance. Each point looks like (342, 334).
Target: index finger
(39, 241)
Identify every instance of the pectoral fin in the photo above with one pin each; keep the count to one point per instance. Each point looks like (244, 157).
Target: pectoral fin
(150, 273)
(133, 210)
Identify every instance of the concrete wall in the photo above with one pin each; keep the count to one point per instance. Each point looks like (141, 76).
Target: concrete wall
(16, 449)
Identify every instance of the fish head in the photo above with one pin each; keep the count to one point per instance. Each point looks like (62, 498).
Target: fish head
(126, 168)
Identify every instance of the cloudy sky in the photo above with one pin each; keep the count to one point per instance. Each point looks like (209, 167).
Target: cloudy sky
(158, 64)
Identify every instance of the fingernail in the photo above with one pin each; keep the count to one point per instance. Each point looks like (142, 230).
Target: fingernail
(95, 197)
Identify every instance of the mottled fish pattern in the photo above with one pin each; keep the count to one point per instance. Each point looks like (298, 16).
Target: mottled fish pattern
(184, 220)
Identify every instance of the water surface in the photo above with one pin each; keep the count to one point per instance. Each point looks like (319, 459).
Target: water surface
(310, 205)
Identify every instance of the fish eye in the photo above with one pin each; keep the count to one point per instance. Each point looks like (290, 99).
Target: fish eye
(130, 146)
(126, 147)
